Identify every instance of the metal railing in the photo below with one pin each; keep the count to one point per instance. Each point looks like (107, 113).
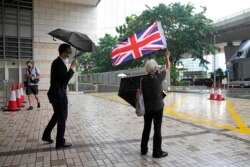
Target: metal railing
(110, 81)
(5, 90)
(233, 17)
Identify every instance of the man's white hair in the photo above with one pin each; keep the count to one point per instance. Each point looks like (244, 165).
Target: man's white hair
(151, 66)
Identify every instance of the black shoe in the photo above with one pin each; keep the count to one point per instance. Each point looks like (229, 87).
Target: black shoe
(65, 145)
(30, 108)
(38, 105)
(144, 152)
(48, 140)
(163, 154)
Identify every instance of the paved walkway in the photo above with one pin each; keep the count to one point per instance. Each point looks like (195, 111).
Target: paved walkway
(105, 131)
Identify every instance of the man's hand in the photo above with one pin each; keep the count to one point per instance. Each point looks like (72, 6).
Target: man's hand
(73, 65)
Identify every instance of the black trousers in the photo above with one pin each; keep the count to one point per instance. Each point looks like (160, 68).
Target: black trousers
(59, 117)
(150, 116)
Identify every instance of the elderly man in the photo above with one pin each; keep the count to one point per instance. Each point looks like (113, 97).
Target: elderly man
(152, 94)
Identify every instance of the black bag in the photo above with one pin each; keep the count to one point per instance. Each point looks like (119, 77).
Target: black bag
(26, 83)
(30, 80)
(35, 81)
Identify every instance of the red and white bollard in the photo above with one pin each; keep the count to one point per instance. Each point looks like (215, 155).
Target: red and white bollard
(219, 95)
(212, 93)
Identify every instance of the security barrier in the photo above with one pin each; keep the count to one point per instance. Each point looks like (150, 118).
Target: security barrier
(5, 91)
(110, 81)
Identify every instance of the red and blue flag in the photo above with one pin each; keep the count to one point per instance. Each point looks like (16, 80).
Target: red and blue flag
(139, 44)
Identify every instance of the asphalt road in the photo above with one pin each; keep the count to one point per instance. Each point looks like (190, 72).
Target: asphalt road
(243, 93)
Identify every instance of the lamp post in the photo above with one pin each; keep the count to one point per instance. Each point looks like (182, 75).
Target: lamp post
(214, 62)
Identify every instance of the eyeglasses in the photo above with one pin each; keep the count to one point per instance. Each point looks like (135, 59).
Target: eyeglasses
(68, 52)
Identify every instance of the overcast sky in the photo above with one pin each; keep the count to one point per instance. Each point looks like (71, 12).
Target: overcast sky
(112, 13)
(216, 9)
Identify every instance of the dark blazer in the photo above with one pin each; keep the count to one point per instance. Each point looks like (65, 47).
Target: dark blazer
(59, 79)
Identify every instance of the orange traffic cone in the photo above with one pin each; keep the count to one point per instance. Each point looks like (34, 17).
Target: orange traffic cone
(18, 96)
(219, 95)
(12, 106)
(212, 93)
(21, 93)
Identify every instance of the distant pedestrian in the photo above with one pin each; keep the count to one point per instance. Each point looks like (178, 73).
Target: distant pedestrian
(32, 76)
(152, 93)
(59, 79)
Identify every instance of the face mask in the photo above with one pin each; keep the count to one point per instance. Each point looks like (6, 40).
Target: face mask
(66, 61)
(29, 67)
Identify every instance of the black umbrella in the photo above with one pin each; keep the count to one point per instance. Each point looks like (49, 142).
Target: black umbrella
(76, 39)
(128, 88)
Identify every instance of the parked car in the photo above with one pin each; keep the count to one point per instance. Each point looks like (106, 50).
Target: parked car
(239, 82)
(203, 82)
(187, 81)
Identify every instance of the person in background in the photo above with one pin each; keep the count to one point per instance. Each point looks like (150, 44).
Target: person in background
(59, 79)
(152, 93)
(32, 76)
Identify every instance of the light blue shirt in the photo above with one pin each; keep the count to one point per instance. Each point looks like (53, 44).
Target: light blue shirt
(34, 73)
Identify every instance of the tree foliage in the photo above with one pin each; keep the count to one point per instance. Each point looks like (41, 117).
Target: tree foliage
(99, 61)
(219, 75)
(102, 57)
(184, 29)
(86, 63)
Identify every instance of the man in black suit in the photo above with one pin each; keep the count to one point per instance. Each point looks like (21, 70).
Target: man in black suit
(59, 79)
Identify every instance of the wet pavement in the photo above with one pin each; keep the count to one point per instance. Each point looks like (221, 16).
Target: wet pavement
(242, 93)
(105, 131)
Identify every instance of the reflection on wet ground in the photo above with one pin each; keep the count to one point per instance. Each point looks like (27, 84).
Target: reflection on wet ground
(105, 131)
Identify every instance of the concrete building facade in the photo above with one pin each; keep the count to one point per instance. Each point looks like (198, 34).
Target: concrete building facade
(47, 15)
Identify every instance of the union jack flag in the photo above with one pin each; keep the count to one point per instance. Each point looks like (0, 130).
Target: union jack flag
(139, 44)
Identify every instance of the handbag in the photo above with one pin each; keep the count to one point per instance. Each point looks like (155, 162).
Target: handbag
(139, 102)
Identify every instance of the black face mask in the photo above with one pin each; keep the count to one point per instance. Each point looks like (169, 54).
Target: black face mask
(29, 67)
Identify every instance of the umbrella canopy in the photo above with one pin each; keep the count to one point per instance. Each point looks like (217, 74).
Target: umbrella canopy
(76, 39)
(242, 52)
(128, 88)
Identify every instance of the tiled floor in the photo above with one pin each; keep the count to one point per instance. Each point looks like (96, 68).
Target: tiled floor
(105, 131)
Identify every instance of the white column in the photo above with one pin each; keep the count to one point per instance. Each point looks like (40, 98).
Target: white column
(214, 62)
(6, 71)
(169, 81)
(20, 71)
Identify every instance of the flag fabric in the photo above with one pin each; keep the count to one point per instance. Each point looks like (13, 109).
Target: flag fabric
(139, 44)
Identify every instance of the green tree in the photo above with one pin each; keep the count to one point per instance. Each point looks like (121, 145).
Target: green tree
(184, 29)
(86, 63)
(219, 75)
(102, 60)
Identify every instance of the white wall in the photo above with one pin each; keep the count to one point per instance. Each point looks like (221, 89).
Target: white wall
(50, 15)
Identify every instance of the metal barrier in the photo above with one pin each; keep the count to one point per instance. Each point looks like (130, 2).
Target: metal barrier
(110, 81)
(109, 78)
(5, 90)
